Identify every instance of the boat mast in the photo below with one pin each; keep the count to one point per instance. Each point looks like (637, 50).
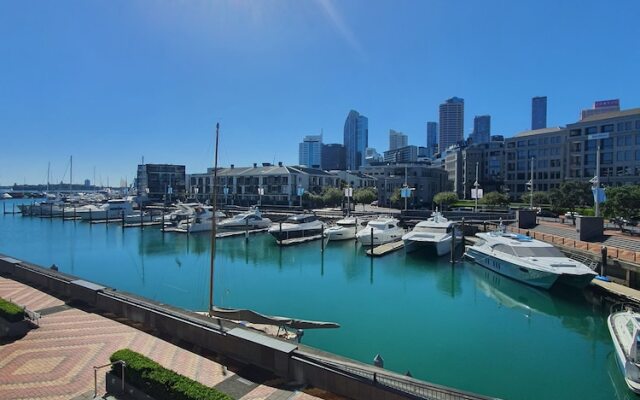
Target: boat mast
(70, 174)
(213, 218)
(48, 174)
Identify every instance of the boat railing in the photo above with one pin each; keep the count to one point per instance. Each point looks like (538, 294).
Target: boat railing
(404, 385)
(623, 306)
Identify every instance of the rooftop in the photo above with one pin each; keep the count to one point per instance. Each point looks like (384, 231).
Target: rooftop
(538, 131)
(608, 115)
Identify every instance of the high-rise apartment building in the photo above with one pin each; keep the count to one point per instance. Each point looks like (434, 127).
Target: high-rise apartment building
(432, 138)
(539, 112)
(451, 122)
(356, 139)
(481, 129)
(333, 157)
(310, 151)
(397, 140)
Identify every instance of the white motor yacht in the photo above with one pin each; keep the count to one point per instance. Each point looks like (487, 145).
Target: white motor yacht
(6, 196)
(251, 219)
(380, 231)
(435, 234)
(344, 229)
(201, 220)
(112, 209)
(624, 327)
(527, 260)
(297, 226)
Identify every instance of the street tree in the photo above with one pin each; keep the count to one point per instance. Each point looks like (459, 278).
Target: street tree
(495, 199)
(364, 195)
(445, 199)
(539, 198)
(332, 197)
(622, 201)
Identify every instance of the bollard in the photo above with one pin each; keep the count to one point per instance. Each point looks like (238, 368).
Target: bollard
(603, 263)
(51, 210)
(63, 213)
(462, 233)
(90, 216)
(371, 242)
(106, 215)
(141, 219)
(164, 209)
(453, 244)
(75, 217)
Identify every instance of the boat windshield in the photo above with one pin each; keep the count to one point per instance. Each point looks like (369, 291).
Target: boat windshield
(433, 229)
(538, 252)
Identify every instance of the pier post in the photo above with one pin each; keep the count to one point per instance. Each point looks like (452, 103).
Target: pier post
(63, 213)
(107, 218)
(164, 209)
(90, 216)
(462, 233)
(50, 211)
(141, 218)
(453, 244)
(280, 234)
(603, 263)
(4, 207)
(74, 214)
(322, 239)
(246, 229)
(371, 242)
(13, 208)
(122, 216)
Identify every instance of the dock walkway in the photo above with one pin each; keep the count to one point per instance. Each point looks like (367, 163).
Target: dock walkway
(385, 248)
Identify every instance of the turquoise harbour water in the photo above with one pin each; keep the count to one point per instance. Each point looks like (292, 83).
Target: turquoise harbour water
(460, 326)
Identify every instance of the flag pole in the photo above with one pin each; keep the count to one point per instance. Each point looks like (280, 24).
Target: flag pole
(213, 219)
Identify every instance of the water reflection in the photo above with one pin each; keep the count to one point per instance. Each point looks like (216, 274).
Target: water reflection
(564, 303)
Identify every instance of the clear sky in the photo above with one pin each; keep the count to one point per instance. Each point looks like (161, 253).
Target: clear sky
(111, 81)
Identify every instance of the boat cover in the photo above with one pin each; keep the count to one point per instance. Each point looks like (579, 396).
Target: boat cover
(257, 318)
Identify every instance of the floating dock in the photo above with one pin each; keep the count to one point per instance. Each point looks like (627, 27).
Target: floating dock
(290, 242)
(221, 235)
(385, 248)
(618, 290)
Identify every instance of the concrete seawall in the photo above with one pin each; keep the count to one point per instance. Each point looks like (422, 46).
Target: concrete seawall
(302, 364)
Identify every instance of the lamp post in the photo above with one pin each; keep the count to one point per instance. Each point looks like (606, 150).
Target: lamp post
(596, 183)
(476, 184)
(530, 184)
(348, 192)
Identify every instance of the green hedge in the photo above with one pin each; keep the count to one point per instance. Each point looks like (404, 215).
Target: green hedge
(10, 311)
(159, 382)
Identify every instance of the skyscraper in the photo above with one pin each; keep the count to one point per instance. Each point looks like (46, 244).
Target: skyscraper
(481, 129)
(333, 157)
(356, 139)
(539, 112)
(310, 151)
(432, 138)
(397, 140)
(451, 122)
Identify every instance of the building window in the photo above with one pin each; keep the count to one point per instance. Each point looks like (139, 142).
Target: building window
(591, 130)
(575, 132)
(576, 146)
(637, 155)
(627, 126)
(607, 144)
(620, 126)
(606, 158)
(606, 128)
(522, 143)
(638, 124)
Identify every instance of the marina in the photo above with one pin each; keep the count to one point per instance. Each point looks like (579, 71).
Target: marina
(458, 325)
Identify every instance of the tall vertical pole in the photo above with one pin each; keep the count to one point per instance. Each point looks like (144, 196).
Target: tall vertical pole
(476, 184)
(596, 182)
(70, 174)
(406, 186)
(48, 175)
(213, 221)
(531, 195)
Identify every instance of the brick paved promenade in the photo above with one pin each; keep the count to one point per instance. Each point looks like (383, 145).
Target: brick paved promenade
(55, 361)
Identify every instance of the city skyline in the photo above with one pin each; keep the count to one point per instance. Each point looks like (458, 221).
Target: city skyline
(73, 84)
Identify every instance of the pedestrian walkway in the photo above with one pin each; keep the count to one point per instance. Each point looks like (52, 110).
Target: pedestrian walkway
(56, 360)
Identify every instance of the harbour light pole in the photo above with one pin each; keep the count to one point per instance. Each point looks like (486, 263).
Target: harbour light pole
(531, 185)
(213, 221)
(596, 183)
(476, 184)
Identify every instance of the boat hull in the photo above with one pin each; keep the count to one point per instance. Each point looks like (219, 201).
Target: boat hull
(295, 234)
(578, 281)
(379, 238)
(341, 233)
(621, 358)
(532, 277)
(440, 248)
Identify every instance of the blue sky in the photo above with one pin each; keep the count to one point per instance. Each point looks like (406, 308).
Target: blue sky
(111, 81)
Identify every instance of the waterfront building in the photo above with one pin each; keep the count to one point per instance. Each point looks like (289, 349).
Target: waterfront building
(372, 156)
(425, 179)
(397, 140)
(356, 139)
(451, 122)
(279, 183)
(547, 147)
(355, 179)
(432, 138)
(601, 107)
(333, 157)
(405, 154)
(310, 151)
(481, 129)
(617, 134)
(539, 112)
(460, 165)
(161, 182)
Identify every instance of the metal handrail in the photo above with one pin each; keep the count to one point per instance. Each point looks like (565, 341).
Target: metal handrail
(95, 375)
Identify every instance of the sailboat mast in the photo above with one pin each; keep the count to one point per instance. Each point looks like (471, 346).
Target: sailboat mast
(213, 218)
(48, 174)
(70, 174)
